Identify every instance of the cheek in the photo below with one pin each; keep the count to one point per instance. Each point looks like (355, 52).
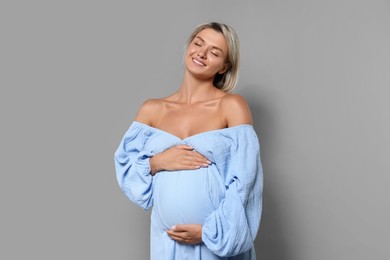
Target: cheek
(190, 50)
(219, 63)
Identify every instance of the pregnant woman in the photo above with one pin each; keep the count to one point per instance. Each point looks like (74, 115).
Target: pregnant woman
(195, 158)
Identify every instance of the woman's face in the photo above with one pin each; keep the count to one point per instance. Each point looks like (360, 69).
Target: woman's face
(206, 54)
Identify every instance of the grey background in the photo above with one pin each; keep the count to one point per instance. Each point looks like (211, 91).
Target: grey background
(73, 73)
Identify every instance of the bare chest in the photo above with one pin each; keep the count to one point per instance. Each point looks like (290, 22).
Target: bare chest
(183, 121)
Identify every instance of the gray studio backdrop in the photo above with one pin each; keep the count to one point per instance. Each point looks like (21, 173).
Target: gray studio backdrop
(73, 73)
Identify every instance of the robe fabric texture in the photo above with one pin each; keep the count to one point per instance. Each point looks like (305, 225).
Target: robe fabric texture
(225, 197)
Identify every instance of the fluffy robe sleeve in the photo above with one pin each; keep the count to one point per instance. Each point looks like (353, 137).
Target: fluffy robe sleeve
(231, 229)
(133, 168)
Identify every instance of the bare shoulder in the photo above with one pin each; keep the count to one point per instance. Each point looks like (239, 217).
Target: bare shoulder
(148, 110)
(236, 110)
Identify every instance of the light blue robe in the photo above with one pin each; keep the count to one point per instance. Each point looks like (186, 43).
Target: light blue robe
(225, 197)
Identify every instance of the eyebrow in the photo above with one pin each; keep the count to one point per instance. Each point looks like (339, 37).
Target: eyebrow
(215, 47)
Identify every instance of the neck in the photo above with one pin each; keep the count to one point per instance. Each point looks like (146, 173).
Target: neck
(194, 90)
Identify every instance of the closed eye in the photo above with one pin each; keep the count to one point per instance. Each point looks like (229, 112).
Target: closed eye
(215, 54)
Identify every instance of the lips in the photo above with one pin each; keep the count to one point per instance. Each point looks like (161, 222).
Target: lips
(198, 62)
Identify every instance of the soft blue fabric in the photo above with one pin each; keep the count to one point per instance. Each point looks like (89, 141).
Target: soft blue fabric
(225, 197)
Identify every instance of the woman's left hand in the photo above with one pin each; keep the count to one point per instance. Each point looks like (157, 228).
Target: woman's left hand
(186, 234)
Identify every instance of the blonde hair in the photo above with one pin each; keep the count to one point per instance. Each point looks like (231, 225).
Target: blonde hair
(228, 80)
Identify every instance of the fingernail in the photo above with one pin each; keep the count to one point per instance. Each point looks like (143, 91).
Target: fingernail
(173, 227)
(208, 162)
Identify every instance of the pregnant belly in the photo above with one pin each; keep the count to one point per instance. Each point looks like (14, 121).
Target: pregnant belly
(186, 197)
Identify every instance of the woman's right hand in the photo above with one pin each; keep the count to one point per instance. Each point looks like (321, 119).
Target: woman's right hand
(180, 157)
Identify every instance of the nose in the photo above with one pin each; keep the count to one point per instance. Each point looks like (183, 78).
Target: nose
(202, 53)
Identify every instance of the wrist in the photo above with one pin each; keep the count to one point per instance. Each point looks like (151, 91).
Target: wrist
(154, 165)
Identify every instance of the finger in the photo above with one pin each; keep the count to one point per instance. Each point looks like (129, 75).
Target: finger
(192, 165)
(185, 147)
(179, 228)
(171, 233)
(194, 161)
(185, 241)
(198, 155)
(195, 153)
(178, 239)
(195, 156)
(189, 167)
(182, 236)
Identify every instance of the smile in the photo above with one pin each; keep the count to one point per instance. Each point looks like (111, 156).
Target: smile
(198, 62)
